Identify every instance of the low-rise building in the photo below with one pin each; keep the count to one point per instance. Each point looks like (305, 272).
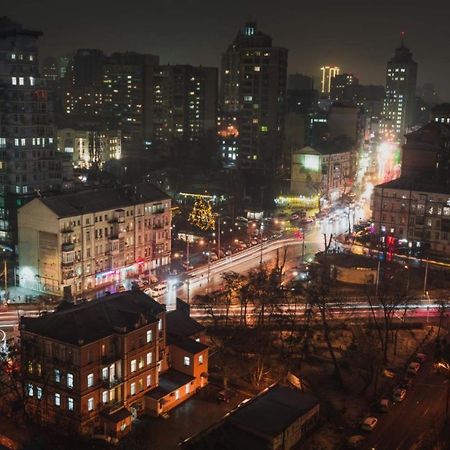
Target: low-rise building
(277, 419)
(326, 170)
(413, 213)
(93, 368)
(90, 147)
(74, 242)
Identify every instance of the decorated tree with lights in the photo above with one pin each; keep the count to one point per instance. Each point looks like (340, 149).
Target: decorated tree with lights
(202, 216)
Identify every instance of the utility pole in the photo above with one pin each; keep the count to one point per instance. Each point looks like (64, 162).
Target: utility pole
(187, 253)
(262, 243)
(378, 278)
(425, 278)
(218, 235)
(303, 245)
(209, 266)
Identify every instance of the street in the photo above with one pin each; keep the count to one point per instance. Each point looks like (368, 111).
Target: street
(406, 425)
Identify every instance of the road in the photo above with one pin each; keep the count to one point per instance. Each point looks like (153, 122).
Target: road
(242, 262)
(406, 425)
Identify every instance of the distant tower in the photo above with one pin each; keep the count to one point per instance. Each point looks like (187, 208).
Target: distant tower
(327, 74)
(398, 106)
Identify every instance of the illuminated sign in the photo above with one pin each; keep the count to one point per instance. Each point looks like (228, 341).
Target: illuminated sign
(310, 162)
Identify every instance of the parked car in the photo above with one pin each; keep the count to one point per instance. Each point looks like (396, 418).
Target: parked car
(156, 291)
(406, 383)
(388, 373)
(121, 288)
(383, 405)
(399, 394)
(225, 395)
(420, 358)
(369, 424)
(413, 368)
(355, 441)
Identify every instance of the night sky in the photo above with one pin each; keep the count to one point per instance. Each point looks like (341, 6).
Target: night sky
(357, 35)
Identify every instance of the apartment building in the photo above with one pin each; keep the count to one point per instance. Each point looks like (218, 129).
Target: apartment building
(414, 214)
(93, 368)
(74, 242)
(88, 147)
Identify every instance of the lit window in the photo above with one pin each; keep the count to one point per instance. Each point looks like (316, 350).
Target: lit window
(23, 142)
(13, 56)
(57, 399)
(187, 361)
(133, 388)
(159, 324)
(70, 380)
(57, 375)
(90, 380)
(70, 403)
(257, 68)
(21, 81)
(90, 404)
(149, 335)
(31, 81)
(149, 380)
(188, 388)
(149, 358)
(105, 396)
(264, 128)
(177, 394)
(14, 81)
(30, 390)
(31, 57)
(248, 98)
(200, 359)
(16, 142)
(39, 392)
(133, 366)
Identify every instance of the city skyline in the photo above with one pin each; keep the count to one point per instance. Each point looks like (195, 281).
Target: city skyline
(162, 29)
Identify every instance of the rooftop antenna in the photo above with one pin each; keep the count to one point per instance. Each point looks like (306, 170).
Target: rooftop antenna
(402, 37)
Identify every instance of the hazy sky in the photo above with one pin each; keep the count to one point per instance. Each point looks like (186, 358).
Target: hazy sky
(357, 35)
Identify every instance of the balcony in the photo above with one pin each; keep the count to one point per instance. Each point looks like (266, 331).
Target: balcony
(110, 358)
(110, 408)
(68, 247)
(108, 384)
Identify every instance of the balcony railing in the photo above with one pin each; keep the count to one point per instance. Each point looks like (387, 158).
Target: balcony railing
(68, 247)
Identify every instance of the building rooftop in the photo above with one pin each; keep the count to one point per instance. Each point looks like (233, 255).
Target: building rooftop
(181, 326)
(253, 424)
(273, 411)
(188, 345)
(416, 184)
(102, 199)
(90, 321)
(430, 133)
(168, 382)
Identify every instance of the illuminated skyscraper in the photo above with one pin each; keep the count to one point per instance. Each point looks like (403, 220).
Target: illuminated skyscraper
(327, 74)
(29, 162)
(399, 100)
(253, 90)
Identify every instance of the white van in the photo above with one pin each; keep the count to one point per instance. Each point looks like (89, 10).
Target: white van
(156, 291)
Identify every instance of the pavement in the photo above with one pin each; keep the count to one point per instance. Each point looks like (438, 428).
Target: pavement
(199, 412)
(408, 425)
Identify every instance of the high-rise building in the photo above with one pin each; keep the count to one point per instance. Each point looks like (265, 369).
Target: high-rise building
(29, 162)
(327, 73)
(253, 89)
(116, 88)
(339, 84)
(398, 107)
(128, 98)
(185, 102)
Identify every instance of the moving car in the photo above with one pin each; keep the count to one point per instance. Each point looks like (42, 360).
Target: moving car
(369, 424)
(399, 394)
